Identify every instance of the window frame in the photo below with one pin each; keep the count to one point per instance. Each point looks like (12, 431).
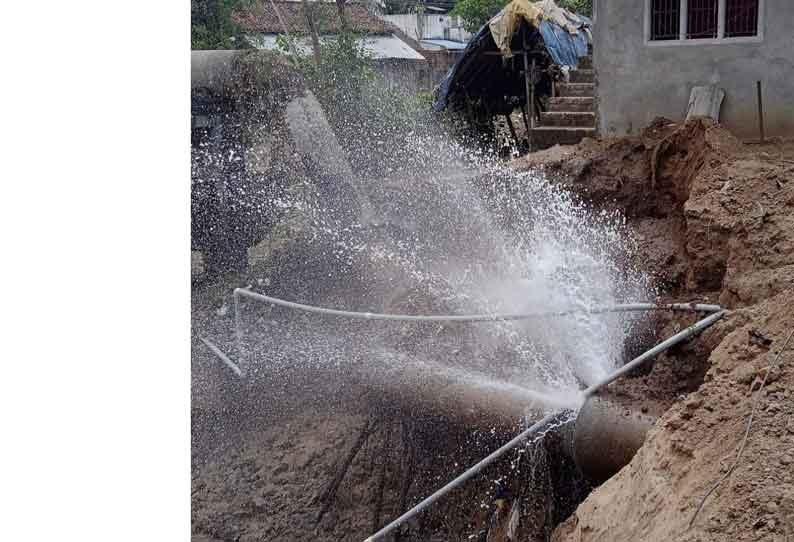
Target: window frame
(676, 22)
(719, 40)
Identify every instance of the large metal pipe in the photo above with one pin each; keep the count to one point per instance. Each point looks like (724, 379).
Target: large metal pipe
(466, 396)
(606, 436)
(214, 70)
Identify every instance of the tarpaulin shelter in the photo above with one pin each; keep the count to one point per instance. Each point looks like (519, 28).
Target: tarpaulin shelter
(495, 72)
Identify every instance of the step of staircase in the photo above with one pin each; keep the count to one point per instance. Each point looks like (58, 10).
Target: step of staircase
(567, 118)
(577, 103)
(575, 89)
(571, 113)
(582, 76)
(544, 137)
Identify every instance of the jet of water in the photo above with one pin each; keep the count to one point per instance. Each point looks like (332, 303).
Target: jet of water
(444, 227)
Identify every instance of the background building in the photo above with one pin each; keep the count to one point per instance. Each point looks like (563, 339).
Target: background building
(649, 54)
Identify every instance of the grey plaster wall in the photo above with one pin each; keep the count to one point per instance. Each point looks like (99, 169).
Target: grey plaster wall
(637, 81)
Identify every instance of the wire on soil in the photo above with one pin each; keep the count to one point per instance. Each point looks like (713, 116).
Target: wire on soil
(746, 433)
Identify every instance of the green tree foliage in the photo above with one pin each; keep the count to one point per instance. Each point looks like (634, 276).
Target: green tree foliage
(582, 7)
(343, 71)
(211, 25)
(476, 13)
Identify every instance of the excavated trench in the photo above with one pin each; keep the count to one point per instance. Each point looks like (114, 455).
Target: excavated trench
(409, 450)
(318, 451)
(412, 441)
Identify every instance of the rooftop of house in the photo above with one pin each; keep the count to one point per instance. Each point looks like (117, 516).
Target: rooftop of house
(410, 6)
(261, 17)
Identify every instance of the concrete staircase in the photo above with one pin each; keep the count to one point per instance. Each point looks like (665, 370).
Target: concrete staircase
(571, 113)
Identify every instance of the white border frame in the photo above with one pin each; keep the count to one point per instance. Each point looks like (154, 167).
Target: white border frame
(720, 40)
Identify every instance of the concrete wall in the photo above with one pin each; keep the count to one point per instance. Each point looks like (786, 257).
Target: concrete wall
(638, 81)
(429, 26)
(406, 76)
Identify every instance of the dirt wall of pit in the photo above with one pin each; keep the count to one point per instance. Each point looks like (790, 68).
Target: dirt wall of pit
(715, 222)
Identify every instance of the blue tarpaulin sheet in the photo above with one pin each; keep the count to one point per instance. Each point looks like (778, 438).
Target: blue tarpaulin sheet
(560, 44)
(580, 40)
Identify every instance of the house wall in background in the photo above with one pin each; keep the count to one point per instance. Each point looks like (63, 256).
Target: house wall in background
(639, 80)
(429, 26)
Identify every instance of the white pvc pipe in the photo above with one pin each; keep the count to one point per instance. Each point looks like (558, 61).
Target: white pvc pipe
(223, 357)
(624, 307)
(659, 348)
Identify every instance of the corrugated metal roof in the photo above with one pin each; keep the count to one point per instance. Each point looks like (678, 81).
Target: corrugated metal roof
(434, 44)
(380, 47)
(383, 47)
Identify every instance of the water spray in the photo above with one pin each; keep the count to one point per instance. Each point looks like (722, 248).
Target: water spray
(605, 436)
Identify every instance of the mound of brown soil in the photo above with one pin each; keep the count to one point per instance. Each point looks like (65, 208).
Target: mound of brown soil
(715, 222)
(712, 216)
(694, 444)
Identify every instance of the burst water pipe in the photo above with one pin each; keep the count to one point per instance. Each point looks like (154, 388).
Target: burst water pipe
(521, 437)
(605, 436)
(587, 395)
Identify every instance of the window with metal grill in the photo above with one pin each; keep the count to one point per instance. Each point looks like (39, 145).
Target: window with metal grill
(701, 19)
(741, 18)
(707, 20)
(665, 18)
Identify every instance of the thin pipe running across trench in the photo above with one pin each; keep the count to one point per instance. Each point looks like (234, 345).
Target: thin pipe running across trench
(493, 317)
(716, 313)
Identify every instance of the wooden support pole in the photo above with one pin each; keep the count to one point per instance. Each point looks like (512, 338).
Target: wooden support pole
(512, 129)
(532, 91)
(500, 53)
(760, 111)
(526, 119)
(530, 99)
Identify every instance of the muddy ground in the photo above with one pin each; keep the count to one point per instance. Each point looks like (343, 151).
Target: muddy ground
(300, 457)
